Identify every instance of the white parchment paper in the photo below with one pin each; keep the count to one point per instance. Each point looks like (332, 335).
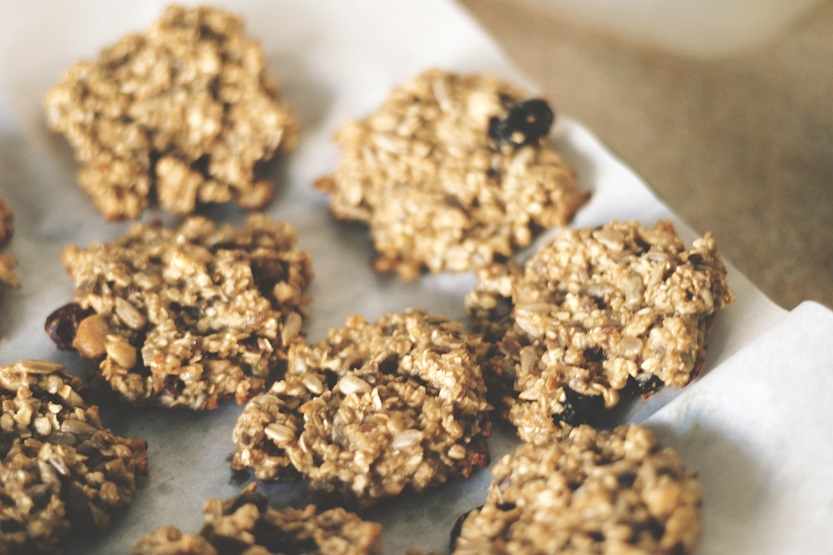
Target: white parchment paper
(338, 60)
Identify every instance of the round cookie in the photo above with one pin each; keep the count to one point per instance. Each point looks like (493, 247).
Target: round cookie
(184, 113)
(450, 172)
(60, 469)
(248, 524)
(591, 492)
(593, 312)
(372, 410)
(189, 316)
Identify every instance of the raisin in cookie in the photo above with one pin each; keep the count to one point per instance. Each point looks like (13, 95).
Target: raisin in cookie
(186, 317)
(184, 113)
(247, 524)
(372, 410)
(591, 492)
(60, 469)
(450, 172)
(592, 312)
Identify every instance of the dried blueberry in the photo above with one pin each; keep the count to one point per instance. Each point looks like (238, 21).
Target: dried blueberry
(62, 324)
(647, 384)
(526, 123)
(458, 526)
(580, 409)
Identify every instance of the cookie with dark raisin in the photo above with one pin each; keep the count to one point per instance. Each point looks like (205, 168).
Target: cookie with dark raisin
(450, 172)
(61, 470)
(594, 314)
(375, 409)
(591, 492)
(187, 316)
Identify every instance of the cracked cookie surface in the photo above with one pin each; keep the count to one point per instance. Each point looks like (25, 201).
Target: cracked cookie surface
(591, 492)
(184, 113)
(247, 524)
(450, 172)
(593, 312)
(188, 316)
(60, 469)
(372, 410)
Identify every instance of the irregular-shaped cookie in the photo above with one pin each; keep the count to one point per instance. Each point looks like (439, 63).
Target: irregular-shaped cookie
(60, 469)
(450, 172)
(186, 317)
(372, 410)
(591, 492)
(592, 312)
(184, 113)
(247, 524)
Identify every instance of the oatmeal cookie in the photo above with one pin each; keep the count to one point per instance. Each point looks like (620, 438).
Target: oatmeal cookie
(451, 171)
(372, 410)
(184, 113)
(186, 317)
(592, 312)
(60, 469)
(247, 524)
(591, 492)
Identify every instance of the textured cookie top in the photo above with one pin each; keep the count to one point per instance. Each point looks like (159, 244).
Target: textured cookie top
(185, 317)
(591, 492)
(247, 524)
(373, 409)
(183, 113)
(589, 313)
(451, 171)
(60, 469)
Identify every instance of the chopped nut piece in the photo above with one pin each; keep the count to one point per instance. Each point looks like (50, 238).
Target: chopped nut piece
(91, 336)
(60, 469)
(393, 405)
(442, 182)
(186, 317)
(591, 312)
(250, 525)
(184, 112)
(591, 492)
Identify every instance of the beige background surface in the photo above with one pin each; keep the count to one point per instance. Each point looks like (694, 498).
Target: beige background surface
(741, 145)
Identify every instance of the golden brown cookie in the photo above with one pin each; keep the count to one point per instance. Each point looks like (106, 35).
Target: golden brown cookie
(247, 524)
(594, 311)
(184, 113)
(591, 492)
(450, 172)
(372, 410)
(60, 468)
(186, 317)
